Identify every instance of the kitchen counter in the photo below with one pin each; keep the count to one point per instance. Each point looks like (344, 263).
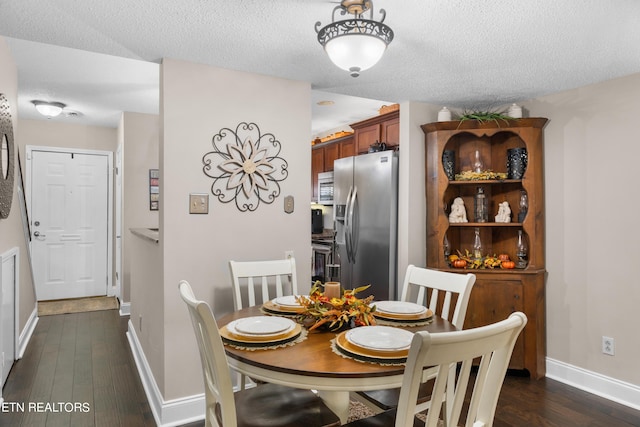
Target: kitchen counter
(327, 233)
(151, 234)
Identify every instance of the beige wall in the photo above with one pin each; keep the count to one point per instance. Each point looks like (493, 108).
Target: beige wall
(11, 230)
(197, 101)
(140, 152)
(591, 163)
(50, 133)
(411, 183)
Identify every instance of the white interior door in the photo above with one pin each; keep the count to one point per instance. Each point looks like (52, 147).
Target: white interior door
(69, 206)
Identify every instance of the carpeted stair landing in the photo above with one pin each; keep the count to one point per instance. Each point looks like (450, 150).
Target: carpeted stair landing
(76, 305)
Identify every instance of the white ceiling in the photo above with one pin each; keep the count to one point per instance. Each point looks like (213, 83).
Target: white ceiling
(101, 57)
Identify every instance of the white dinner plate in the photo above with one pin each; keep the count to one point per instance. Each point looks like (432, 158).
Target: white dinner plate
(261, 325)
(399, 307)
(381, 338)
(287, 301)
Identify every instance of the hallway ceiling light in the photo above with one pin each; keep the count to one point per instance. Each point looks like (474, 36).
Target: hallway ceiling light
(355, 44)
(49, 109)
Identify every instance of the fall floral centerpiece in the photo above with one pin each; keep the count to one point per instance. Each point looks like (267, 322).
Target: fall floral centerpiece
(336, 313)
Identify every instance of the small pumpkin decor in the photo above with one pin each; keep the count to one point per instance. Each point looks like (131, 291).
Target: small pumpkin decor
(460, 263)
(508, 264)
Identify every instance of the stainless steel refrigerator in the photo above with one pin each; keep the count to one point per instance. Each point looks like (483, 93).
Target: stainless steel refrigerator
(366, 213)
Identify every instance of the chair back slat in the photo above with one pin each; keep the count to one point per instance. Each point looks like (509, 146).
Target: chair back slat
(279, 275)
(493, 344)
(217, 377)
(448, 292)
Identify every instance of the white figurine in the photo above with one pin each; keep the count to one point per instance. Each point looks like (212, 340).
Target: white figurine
(504, 212)
(458, 212)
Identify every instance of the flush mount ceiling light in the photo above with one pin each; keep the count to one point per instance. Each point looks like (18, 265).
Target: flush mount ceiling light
(355, 44)
(49, 109)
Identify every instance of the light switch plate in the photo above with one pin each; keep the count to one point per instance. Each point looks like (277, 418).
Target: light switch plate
(198, 203)
(288, 204)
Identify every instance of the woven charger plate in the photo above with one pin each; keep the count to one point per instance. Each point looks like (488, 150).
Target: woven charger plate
(225, 333)
(275, 308)
(342, 341)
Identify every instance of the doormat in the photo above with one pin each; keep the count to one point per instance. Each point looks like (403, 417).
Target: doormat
(76, 305)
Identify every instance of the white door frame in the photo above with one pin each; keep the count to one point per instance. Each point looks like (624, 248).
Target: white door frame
(118, 225)
(109, 154)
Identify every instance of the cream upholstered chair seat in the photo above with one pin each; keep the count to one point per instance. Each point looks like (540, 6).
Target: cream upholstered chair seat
(447, 295)
(266, 405)
(493, 344)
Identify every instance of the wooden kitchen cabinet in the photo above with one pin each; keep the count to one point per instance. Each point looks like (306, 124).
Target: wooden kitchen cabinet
(497, 292)
(382, 128)
(317, 166)
(331, 153)
(323, 155)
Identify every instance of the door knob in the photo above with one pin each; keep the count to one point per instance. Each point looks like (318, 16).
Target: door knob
(37, 234)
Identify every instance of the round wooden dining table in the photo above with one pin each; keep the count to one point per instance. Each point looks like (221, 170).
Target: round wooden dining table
(312, 364)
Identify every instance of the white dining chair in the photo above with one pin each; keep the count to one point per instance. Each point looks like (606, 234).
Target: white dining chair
(271, 275)
(447, 295)
(269, 404)
(493, 344)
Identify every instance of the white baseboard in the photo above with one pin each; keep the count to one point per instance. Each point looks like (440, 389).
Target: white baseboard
(610, 388)
(27, 332)
(125, 308)
(169, 413)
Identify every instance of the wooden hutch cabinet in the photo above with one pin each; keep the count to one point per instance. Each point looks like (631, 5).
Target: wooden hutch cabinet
(498, 292)
(382, 128)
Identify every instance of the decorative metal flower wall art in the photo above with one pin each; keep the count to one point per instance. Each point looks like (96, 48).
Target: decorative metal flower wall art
(246, 166)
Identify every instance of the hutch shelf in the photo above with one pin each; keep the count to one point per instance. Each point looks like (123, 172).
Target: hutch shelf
(498, 292)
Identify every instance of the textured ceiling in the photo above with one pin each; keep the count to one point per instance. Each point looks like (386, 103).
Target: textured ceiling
(101, 57)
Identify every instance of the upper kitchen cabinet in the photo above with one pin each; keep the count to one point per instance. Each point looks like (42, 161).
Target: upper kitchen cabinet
(384, 128)
(323, 155)
(317, 166)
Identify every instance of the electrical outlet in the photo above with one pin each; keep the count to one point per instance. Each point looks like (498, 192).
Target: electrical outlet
(608, 345)
(288, 254)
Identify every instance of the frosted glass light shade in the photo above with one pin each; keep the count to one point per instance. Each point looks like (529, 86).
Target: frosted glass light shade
(355, 52)
(49, 109)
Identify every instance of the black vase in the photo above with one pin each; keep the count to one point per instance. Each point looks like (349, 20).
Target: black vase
(516, 163)
(449, 164)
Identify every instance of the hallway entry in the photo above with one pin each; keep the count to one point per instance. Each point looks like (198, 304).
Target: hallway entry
(69, 217)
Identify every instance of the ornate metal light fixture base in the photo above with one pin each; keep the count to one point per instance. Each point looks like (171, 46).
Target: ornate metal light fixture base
(355, 44)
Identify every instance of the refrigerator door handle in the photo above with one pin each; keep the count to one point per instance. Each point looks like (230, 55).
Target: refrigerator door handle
(350, 228)
(347, 225)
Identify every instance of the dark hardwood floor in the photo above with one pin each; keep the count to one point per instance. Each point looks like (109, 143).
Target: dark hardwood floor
(85, 359)
(80, 366)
